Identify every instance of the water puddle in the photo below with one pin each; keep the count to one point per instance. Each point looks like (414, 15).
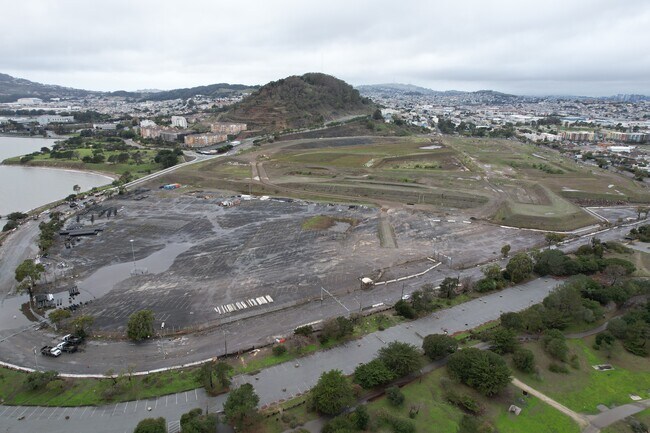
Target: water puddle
(104, 279)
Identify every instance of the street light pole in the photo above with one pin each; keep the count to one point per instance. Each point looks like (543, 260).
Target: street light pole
(133, 254)
(35, 358)
(225, 342)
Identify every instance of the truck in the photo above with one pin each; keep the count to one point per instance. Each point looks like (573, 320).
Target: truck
(50, 351)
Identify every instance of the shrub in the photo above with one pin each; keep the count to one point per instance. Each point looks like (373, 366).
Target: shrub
(558, 368)
(306, 330)
(279, 350)
(395, 396)
(405, 309)
(524, 360)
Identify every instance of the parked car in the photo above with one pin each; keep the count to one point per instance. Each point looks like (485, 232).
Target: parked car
(72, 339)
(50, 351)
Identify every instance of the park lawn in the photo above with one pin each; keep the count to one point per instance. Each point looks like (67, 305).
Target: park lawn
(583, 389)
(44, 160)
(438, 416)
(90, 392)
(536, 417)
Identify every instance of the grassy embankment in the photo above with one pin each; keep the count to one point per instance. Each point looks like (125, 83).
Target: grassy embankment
(146, 166)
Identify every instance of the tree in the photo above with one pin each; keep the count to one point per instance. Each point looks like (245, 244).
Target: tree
(400, 358)
(76, 189)
(503, 341)
(214, 376)
(82, 323)
(512, 321)
(519, 267)
(505, 250)
(195, 422)
(151, 425)
(140, 325)
(372, 374)
(482, 370)
(332, 393)
(448, 287)
(30, 271)
(438, 346)
(492, 272)
(240, 408)
(524, 360)
(377, 115)
(554, 238)
(58, 315)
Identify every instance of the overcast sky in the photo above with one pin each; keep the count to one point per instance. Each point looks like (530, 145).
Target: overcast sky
(586, 47)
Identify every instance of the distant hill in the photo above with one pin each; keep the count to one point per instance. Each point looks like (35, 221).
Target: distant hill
(298, 102)
(213, 90)
(12, 88)
(480, 96)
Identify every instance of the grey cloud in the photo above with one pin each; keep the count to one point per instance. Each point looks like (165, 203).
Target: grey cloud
(592, 46)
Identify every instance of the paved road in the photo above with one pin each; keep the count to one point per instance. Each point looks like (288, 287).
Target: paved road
(616, 414)
(18, 246)
(282, 381)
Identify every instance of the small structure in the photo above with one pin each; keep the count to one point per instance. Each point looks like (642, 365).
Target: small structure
(514, 409)
(367, 283)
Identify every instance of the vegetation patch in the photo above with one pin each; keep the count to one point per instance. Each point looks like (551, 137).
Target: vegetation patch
(324, 222)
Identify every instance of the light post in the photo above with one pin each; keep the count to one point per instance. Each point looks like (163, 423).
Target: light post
(132, 253)
(225, 343)
(35, 358)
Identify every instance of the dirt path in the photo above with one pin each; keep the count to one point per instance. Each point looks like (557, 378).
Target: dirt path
(386, 233)
(581, 420)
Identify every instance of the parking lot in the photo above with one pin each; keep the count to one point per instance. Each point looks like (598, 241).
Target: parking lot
(196, 263)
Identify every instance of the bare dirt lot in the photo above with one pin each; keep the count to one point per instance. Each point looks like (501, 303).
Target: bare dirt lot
(196, 264)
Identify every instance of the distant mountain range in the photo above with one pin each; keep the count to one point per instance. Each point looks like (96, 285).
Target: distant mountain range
(482, 96)
(298, 102)
(12, 88)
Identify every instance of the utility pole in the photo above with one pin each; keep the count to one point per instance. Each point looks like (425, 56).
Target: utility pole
(35, 358)
(402, 297)
(133, 254)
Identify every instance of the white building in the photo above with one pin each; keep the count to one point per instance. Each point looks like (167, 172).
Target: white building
(146, 123)
(46, 119)
(179, 122)
(29, 101)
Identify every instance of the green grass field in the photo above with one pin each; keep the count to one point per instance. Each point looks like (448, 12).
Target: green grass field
(438, 416)
(147, 166)
(84, 392)
(505, 181)
(583, 389)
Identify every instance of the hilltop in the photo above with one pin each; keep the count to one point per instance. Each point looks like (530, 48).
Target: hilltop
(298, 102)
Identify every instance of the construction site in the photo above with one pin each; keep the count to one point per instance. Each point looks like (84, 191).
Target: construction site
(200, 259)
